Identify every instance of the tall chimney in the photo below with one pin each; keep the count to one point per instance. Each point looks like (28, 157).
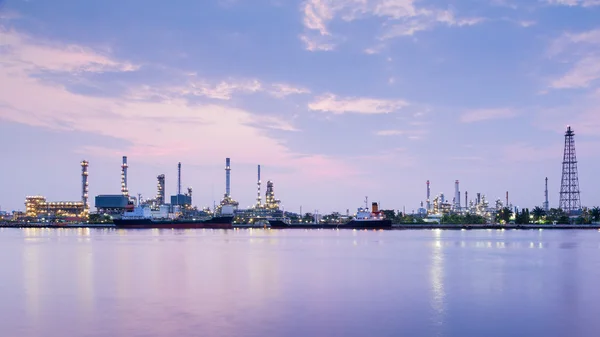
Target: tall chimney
(227, 177)
(507, 199)
(478, 198)
(546, 202)
(456, 196)
(466, 199)
(428, 196)
(124, 189)
(258, 198)
(84, 185)
(179, 178)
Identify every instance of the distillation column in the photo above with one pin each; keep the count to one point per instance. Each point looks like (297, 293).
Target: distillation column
(124, 189)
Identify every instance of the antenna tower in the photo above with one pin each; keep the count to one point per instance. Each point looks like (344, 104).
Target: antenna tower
(569, 187)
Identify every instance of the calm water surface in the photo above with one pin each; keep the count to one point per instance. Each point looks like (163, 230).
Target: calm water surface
(80, 282)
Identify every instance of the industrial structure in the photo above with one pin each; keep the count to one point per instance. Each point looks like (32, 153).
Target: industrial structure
(271, 202)
(428, 197)
(227, 199)
(184, 201)
(160, 189)
(456, 196)
(570, 201)
(546, 205)
(227, 178)
(124, 166)
(439, 206)
(39, 208)
(114, 204)
(258, 197)
(85, 186)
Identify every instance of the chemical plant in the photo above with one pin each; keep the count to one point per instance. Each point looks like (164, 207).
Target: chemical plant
(38, 208)
(432, 210)
(570, 202)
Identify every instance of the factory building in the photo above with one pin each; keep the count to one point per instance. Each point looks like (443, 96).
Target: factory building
(270, 202)
(184, 201)
(111, 204)
(37, 207)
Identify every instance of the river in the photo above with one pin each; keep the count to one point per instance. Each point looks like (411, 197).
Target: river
(255, 282)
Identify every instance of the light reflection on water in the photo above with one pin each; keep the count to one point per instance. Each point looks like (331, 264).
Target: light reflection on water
(256, 282)
(437, 282)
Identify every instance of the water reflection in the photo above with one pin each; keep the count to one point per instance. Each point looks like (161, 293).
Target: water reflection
(438, 293)
(32, 277)
(302, 283)
(85, 271)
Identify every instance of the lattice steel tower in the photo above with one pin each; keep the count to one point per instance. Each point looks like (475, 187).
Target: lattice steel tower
(569, 188)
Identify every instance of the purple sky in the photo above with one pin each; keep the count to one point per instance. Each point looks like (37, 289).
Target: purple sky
(336, 99)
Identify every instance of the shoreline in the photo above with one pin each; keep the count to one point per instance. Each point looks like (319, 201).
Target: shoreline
(394, 226)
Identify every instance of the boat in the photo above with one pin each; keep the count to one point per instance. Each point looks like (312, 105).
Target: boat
(364, 219)
(143, 216)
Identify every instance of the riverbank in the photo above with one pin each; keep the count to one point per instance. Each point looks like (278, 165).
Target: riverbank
(492, 226)
(394, 227)
(45, 225)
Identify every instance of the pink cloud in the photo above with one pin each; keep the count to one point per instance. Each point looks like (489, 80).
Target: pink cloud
(158, 131)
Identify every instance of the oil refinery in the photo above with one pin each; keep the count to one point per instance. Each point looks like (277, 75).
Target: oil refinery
(432, 210)
(39, 209)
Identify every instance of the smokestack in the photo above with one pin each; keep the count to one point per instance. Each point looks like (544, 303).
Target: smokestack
(478, 198)
(546, 202)
(457, 196)
(258, 198)
(124, 189)
(84, 185)
(179, 178)
(506, 198)
(374, 207)
(227, 177)
(428, 196)
(466, 199)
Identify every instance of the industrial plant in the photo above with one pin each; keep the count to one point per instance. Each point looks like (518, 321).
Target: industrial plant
(39, 208)
(434, 209)
(570, 202)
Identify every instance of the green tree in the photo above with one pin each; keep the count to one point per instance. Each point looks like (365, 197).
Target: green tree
(555, 214)
(595, 213)
(504, 215)
(389, 214)
(522, 218)
(96, 218)
(586, 217)
(538, 213)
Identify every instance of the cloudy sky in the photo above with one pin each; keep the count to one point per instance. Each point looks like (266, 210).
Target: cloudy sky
(336, 99)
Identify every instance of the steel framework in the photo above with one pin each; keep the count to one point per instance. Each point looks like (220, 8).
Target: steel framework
(569, 189)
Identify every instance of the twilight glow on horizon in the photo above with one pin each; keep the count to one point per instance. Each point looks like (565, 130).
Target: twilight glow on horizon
(335, 99)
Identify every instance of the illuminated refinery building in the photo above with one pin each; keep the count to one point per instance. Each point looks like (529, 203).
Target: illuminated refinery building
(38, 207)
(227, 199)
(271, 202)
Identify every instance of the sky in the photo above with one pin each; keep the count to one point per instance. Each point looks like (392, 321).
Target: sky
(335, 99)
